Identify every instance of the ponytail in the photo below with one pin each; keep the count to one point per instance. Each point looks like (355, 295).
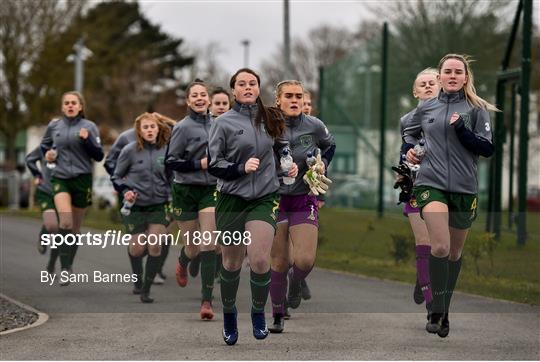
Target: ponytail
(272, 117)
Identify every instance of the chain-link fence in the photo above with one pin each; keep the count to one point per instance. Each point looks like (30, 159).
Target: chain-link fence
(350, 104)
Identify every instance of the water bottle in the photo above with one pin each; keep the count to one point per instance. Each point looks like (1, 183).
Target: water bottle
(420, 150)
(126, 207)
(286, 164)
(51, 165)
(311, 159)
(403, 158)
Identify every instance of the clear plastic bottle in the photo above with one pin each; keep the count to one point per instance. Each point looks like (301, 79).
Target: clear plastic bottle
(420, 149)
(126, 207)
(311, 159)
(286, 164)
(51, 165)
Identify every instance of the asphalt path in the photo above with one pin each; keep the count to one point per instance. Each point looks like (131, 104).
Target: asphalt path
(349, 317)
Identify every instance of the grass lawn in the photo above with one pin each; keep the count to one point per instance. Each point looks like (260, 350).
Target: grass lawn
(356, 241)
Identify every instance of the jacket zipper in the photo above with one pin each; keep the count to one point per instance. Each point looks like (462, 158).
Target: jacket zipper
(151, 174)
(205, 172)
(291, 148)
(256, 152)
(446, 144)
(69, 145)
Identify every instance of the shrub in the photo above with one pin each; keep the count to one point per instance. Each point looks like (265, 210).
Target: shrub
(401, 246)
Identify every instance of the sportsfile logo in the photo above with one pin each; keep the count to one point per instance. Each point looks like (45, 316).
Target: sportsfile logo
(118, 238)
(109, 238)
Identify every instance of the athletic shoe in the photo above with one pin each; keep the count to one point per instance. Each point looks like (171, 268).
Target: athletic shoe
(287, 315)
(445, 327)
(163, 276)
(279, 324)
(434, 323)
(418, 296)
(42, 249)
(50, 269)
(181, 275)
(137, 287)
(158, 280)
(64, 283)
(260, 331)
(306, 293)
(206, 311)
(230, 328)
(194, 266)
(295, 294)
(145, 298)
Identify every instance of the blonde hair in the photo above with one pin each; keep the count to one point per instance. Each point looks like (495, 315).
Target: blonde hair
(432, 71)
(79, 97)
(164, 132)
(468, 88)
(280, 85)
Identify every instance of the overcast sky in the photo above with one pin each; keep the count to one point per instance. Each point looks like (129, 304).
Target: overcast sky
(229, 22)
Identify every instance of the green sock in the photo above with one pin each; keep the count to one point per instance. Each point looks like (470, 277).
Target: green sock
(72, 253)
(229, 288)
(184, 259)
(164, 253)
(152, 266)
(454, 267)
(52, 259)
(64, 250)
(219, 264)
(260, 286)
(208, 271)
(438, 272)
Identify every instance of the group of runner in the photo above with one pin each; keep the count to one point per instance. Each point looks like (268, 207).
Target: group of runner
(243, 168)
(227, 174)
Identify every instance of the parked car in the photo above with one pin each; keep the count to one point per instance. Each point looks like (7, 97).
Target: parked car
(359, 193)
(533, 199)
(104, 193)
(23, 181)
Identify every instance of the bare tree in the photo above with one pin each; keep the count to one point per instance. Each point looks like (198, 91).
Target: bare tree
(207, 66)
(24, 27)
(323, 46)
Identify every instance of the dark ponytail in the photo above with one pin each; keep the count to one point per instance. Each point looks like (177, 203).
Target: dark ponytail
(271, 117)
